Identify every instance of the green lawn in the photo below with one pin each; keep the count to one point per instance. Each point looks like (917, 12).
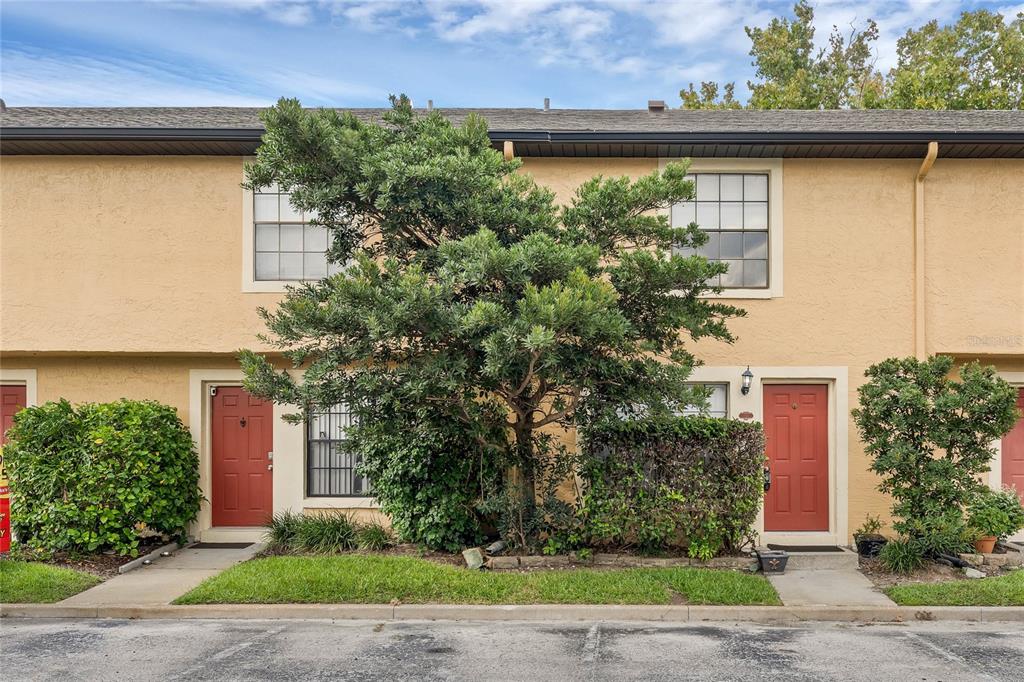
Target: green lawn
(27, 582)
(360, 579)
(1005, 590)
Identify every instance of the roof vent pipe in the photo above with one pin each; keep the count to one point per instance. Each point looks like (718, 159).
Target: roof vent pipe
(430, 105)
(3, 105)
(655, 105)
(547, 104)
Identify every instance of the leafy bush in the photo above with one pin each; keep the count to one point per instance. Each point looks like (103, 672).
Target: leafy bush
(97, 476)
(904, 555)
(282, 530)
(374, 537)
(429, 475)
(684, 481)
(929, 438)
(872, 526)
(324, 533)
(996, 513)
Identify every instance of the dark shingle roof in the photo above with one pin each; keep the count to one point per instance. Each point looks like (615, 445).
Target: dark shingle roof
(557, 132)
(605, 120)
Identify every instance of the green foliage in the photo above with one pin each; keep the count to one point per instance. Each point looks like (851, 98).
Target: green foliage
(684, 481)
(325, 533)
(370, 579)
(374, 537)
(929, 438)
(474, 299)
(94, 477)
(976, 63)
(28, 582)
(430, 475)
(904, 555)
(1004, 590)
(872, 526)
(282, 530)
(996, 513)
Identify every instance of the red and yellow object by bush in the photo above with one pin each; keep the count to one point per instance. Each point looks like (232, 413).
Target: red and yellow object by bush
(5, 510)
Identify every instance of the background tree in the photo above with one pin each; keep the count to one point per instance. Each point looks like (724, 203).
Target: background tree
(929, 437)
(976, 63)
(472, 297)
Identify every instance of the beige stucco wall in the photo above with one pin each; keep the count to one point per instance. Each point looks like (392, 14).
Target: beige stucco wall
(143, 255)
(132, 254)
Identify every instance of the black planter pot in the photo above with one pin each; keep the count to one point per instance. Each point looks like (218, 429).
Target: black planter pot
(870, 545)
(773, 560)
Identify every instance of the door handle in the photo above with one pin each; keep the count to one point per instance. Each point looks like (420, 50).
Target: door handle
(767, 479)
(270, 467)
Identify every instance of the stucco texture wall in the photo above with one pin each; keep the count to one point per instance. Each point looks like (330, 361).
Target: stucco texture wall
(974, 252)
(127, 254)
(144, 254)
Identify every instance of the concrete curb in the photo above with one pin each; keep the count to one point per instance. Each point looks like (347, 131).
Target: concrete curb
(529, 612)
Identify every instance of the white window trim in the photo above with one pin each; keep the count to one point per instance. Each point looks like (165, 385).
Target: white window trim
(289, 453)
(773, 167)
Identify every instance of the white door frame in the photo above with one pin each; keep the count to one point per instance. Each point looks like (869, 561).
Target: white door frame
(837, 380)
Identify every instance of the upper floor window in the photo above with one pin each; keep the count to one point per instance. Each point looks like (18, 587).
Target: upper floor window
(331, 468)
(718, 402)
(733, 209)
(287, 246)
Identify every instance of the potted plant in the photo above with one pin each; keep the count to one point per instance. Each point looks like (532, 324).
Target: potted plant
(869, 540)
(993, 515)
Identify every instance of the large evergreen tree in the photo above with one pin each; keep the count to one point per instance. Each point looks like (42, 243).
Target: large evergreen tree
(472, 297)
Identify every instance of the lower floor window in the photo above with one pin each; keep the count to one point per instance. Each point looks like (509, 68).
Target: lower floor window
(718, 402)
(331, 466)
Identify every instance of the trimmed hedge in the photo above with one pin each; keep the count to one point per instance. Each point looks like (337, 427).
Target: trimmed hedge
(100, 475)
(694, 482)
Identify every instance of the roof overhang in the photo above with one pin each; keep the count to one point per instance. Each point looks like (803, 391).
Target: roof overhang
(543, 143)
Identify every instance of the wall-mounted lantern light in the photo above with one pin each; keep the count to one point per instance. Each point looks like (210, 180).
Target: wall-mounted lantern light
(748, 377)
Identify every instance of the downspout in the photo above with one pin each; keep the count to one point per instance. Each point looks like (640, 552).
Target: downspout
(920, 348)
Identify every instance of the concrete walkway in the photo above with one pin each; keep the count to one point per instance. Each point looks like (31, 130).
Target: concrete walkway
(836, 587)
(164, 580)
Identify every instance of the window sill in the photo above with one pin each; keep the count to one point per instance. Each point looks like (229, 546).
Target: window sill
(340, 503)
(749, 294)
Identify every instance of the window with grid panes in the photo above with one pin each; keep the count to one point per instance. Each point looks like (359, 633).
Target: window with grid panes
(330, 466)
(733, 209)
(287, 246)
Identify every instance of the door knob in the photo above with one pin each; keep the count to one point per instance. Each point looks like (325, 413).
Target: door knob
(270, 467)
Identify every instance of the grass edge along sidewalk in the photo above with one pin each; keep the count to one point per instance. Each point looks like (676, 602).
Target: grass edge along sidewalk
(29, 582)
(369, 579)
(1004, 590)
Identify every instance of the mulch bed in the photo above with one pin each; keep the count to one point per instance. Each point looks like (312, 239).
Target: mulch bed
(103, 565)
(931, 572)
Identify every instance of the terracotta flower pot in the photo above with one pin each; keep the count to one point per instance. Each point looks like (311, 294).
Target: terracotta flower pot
(985, 545)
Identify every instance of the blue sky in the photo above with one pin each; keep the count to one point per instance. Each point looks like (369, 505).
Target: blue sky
(608, 53)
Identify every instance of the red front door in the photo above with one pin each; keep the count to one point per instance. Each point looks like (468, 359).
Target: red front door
(796, 427)
(243, 437)
(12, 400)
(1013, 452)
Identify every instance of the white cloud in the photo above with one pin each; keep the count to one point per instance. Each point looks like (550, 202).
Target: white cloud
(33, 78)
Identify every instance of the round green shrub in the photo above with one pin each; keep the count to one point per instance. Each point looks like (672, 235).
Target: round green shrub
(996, 513)
(100, 476)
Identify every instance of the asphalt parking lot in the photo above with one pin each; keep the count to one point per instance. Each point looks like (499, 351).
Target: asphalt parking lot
(49, 649)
